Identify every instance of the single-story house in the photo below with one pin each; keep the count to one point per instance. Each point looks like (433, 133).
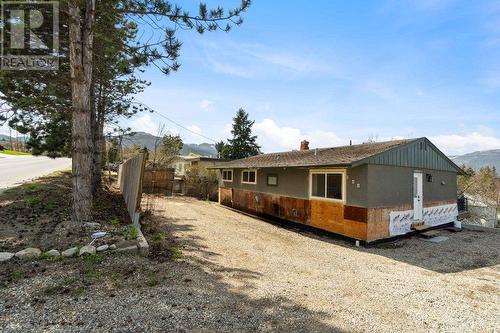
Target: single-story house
(367, 191)
(182, 163)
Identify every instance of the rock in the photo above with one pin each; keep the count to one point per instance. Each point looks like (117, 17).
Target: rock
(29, 253)
(92, 225)
(87, 249)
(102, 248)
(112, 246)
(53, 253)
(71, 252)
(132, 248)
(125, 244)
(4, 256)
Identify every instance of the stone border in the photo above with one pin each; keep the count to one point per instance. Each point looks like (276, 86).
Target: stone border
(31, 253)
(143, 245)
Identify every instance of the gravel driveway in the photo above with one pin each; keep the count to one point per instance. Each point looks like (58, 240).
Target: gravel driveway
(238, 273)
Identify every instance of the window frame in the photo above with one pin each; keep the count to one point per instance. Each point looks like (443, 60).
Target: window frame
(249, 182)
(272, 175)
(232, 175)
(325, 172)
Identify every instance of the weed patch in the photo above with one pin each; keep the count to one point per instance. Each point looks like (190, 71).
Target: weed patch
(90, 270)
(33, 201)
(151, 280)
(159, 236)
(131, 232)
(176, 252)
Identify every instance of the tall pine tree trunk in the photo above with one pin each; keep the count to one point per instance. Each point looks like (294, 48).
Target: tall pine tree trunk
(99, 144)
(81, 19)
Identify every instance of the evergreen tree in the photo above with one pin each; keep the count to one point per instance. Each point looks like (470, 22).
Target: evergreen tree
(171, 146)
(223, 150)
(243, 144)
(99, 38)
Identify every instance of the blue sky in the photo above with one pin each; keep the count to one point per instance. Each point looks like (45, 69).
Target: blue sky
(334, 71)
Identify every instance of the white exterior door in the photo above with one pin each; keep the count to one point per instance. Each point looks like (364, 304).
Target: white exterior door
(418, 196)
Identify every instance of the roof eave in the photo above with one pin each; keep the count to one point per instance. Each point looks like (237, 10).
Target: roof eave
(308, 166)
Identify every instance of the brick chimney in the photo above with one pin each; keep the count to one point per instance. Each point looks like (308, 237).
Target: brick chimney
(304, 145)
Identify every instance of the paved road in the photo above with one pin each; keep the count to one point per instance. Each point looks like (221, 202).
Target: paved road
(18, 169)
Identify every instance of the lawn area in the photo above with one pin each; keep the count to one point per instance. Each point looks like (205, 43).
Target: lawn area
(13, 152)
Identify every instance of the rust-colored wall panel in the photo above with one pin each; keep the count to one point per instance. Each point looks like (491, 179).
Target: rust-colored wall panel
(355, 229)
(354, 213)
(293, 209)
(327, 215)
(356, 222)
(322, 214)
(226, 196)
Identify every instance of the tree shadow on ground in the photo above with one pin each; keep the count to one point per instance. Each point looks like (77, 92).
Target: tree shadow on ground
(123, 293)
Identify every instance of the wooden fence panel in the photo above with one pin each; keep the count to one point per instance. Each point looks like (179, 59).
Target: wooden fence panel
(159, 181)
(130, 178)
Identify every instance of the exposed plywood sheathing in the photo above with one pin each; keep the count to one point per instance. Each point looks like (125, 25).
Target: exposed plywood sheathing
(356, 213)
(356, 222)
(225, 196)
(323, 214)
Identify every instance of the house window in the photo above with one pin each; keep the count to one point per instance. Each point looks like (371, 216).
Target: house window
(227, 175)
(272, 180)
(249, 177)
(327, 185)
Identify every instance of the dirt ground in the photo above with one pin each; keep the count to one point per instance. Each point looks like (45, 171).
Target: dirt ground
(212, 269)
(37, 214)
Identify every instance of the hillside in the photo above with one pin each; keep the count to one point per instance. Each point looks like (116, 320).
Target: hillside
(5, 138)
(479, 159)
(142, 139)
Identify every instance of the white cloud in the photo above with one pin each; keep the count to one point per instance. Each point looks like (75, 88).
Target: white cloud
(273, 137)
(457, 144)
(227, 129)
(195, 129)
(207, 105)
(144, 123)
(261, 61)
(235, 70)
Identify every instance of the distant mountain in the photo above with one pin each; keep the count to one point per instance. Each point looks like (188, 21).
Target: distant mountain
(479, 159)
(6, 138)
(203, 149)
(142, 139)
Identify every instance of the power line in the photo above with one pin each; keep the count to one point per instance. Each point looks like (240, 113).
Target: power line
(176, 123)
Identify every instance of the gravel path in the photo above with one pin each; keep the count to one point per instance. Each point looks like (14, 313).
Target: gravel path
(242, 274)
